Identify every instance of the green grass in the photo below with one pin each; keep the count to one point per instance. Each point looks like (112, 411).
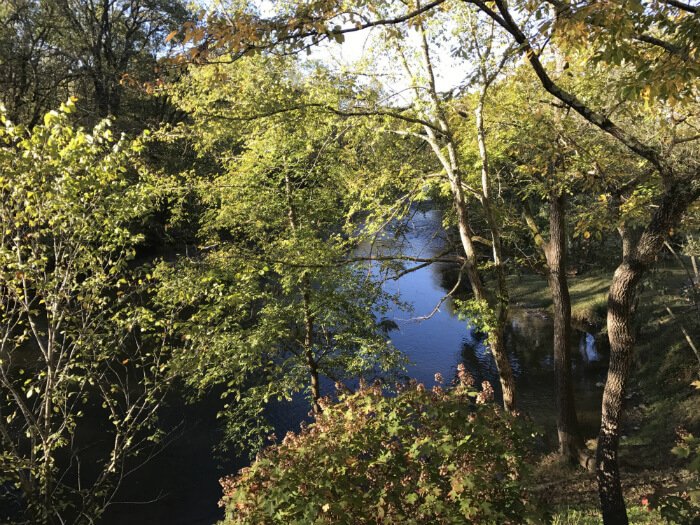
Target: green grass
(589, 295)
(636, 516)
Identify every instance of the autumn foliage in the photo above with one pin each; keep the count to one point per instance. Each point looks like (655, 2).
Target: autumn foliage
(422, 456)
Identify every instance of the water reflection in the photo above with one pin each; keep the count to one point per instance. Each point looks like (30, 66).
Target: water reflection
(441, 342)
(186, 474)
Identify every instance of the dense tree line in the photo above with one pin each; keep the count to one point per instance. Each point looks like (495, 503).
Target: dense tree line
(103, 52)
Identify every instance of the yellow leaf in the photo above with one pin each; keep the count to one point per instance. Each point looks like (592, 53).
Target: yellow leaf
(171, 35)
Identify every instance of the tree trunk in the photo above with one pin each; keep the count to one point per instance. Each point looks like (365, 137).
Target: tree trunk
(555, 251)
(308, 351)
(621, 335)
(311, 362)
(501, 299)
(621, 299)
(101, 98)
(451, 164)
(505, 371)
(465, 237)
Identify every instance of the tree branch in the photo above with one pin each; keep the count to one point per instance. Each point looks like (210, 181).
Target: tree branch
(508, 23)
(342, 113)
(682, 6)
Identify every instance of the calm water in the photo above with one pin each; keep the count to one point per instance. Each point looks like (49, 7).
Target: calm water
(183, 479)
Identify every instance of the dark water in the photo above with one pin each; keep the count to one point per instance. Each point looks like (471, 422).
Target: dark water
(183, 479)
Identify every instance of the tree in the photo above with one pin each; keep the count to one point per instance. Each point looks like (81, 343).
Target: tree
(553, 167)
(97, 50)
(34, 76)
(76, 346)
(679, 190)
(429, 118)
(105, 39)
(278, 304)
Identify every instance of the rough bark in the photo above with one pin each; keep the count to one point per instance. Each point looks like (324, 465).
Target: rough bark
(621, 300)
(567, 423)
(505, 371)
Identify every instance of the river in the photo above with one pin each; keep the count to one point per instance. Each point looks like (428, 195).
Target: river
(180, 485)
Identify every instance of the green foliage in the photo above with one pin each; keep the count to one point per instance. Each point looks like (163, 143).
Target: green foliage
(72, 324)
(685, 507)
(419, 457)
(270, 299)
(658, 41)
(478, 314)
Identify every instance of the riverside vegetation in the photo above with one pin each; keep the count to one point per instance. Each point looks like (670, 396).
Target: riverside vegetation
(196, 202)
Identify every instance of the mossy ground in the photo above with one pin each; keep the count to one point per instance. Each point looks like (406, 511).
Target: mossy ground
(660, 398)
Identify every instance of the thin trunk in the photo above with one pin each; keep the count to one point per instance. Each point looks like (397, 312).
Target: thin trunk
(115, 97)
(505, 371)
(567, 424)
(308, 349)
(311, 362)
(45, 419)
(693, 289)
(554, 250)
(451, 165)
(500, 303)
(688, 339)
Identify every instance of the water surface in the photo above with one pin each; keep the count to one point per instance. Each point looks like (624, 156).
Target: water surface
(183, 479)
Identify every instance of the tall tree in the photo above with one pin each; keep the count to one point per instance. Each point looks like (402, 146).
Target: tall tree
(104, 39)
(34, 76)
(430, 118)
(281, 305)
(91, 49)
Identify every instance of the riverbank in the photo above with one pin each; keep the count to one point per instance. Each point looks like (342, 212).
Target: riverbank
(589, 296)
(661, 399)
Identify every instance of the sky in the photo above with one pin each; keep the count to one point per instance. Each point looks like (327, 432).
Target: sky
(448, 71)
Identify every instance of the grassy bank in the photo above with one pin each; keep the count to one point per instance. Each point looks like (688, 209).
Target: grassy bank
(589, 295)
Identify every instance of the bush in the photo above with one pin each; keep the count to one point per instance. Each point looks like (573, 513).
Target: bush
(440, 456)
(685, 507)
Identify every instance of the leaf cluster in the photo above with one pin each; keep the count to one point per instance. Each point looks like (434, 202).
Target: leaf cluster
(419, 457)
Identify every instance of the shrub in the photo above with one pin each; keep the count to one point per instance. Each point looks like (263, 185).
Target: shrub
(439, 456)
(685, 507)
